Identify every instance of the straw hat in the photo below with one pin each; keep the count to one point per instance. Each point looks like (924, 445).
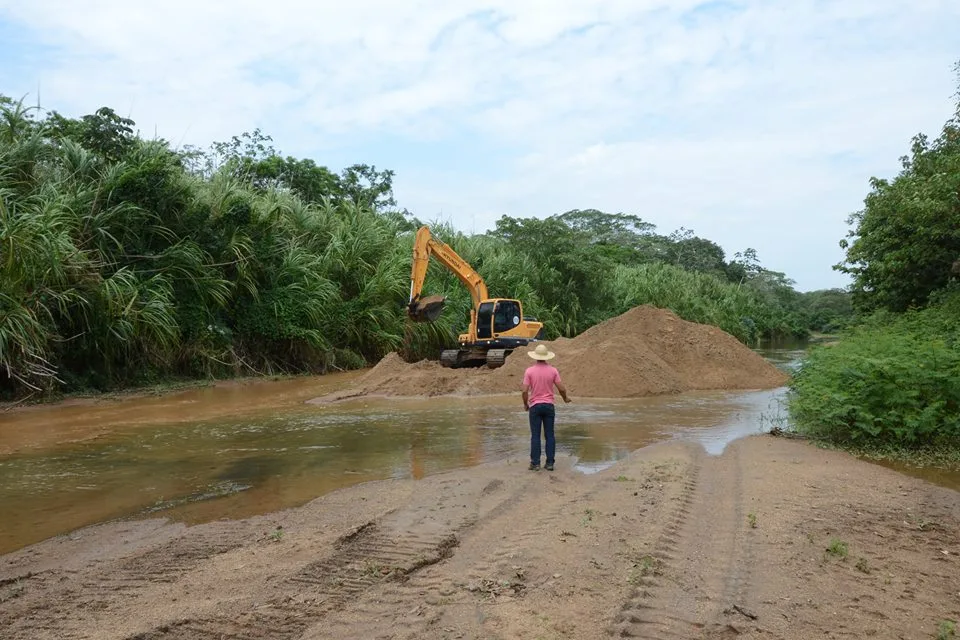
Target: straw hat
(541, 353)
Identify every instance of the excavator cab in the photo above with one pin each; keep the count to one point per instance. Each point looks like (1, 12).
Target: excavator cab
(496, 317)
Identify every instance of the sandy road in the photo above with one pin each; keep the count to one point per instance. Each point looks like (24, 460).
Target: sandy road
(670, 543)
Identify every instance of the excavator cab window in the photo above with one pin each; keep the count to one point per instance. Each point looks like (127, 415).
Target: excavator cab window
(484, 320)
(507, 316)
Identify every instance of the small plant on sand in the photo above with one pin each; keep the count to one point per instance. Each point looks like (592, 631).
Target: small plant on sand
(947, 630)
(15, 591)
(277, 534)
(752, 519)
(588, 517)
(838, 548)
(621, 479)
(644, 566)
(862, 565)
(649, 565)
(926, 525)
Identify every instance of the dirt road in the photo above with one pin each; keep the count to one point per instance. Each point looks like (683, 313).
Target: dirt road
(670, 543)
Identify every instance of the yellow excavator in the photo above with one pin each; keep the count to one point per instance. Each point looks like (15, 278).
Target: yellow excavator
(497, 325)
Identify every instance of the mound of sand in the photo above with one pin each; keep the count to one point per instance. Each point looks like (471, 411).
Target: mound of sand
(646, 351)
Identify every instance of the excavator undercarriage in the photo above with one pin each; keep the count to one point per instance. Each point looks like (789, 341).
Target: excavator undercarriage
(474, 357)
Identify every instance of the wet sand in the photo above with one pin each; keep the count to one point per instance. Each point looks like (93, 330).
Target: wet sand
(670, 542)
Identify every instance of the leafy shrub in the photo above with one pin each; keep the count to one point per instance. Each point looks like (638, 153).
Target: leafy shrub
(894, 380)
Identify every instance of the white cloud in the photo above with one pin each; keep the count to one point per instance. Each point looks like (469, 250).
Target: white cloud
(726, 117)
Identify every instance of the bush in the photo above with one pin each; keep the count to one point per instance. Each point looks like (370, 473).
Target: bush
(894, 380)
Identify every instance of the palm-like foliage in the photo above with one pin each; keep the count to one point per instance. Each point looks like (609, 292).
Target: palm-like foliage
(121, 265)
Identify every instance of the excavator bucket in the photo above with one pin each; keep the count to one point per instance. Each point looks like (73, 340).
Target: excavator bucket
(426, 309)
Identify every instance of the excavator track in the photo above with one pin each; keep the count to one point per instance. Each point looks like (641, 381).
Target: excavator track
(496, 357)
(450, 358)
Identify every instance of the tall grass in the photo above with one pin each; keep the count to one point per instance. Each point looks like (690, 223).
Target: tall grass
(697, 297)
(121, 267)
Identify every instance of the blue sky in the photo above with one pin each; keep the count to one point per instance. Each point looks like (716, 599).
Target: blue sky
(754, 123)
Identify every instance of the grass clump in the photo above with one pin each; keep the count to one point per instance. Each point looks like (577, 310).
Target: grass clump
(838, 548)
(946, 630)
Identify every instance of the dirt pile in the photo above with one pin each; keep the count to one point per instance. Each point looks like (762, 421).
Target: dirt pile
(646, 351)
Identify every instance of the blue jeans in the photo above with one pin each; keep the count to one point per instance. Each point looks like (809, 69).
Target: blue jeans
(542, 416)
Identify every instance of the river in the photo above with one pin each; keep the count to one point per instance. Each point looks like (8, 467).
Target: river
(236, 450)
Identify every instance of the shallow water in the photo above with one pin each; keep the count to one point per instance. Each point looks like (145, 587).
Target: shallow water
(240, 450)
(266, 460)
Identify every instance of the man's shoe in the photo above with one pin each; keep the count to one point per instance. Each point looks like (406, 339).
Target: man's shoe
(549, 467)
(533, 467)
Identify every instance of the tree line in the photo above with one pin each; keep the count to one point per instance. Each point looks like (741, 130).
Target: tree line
(125, 261)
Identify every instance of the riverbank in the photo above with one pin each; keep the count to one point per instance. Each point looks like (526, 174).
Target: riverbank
(835, 546)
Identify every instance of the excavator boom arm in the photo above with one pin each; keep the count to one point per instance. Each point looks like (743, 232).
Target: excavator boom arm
(426, 246)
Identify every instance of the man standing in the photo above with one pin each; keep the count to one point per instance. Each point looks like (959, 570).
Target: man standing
(538, 382)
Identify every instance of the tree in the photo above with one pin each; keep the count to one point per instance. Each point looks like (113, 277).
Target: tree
(252, 159)
(364, 184)
(104, 132)
(568, 271)
(625, 238)
(906, 239)
(827, 309)
(745, 265)
(694, 253)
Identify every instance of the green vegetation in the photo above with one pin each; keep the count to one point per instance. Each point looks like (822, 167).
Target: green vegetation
(644, 566)
(891, 386)
(125, 262)
(894, 380)
(946, 629)
(838, 548)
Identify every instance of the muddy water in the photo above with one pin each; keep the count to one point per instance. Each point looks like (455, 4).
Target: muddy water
(243, 449)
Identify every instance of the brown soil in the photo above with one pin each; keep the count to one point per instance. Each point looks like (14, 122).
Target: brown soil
(668, 543)
(646, 351)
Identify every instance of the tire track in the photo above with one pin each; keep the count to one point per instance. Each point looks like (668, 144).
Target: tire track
(642, 615)
(116, 584)
(389, 550)
(701, 548)
(401, 608)
(738, 586)
(363, 559)
(505, 559)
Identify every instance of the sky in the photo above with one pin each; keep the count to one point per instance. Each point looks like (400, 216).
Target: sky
(753, 123)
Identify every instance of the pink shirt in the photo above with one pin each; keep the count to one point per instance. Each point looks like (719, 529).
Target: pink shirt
(541, 377)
